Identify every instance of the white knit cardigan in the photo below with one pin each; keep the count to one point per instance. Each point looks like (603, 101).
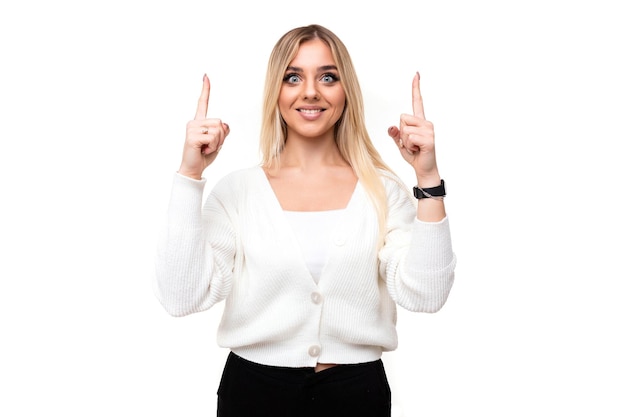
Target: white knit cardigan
(239, 247)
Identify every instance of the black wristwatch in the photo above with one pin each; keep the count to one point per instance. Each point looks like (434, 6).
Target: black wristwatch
(438, 191)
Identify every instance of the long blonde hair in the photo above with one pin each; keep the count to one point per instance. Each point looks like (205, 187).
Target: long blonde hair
(351, 134)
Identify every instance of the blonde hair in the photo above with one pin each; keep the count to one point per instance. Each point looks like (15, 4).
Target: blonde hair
(351, 134)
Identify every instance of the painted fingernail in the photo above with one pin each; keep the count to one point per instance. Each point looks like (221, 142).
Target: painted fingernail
(418, 75)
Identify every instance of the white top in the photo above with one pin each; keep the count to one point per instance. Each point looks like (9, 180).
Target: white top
(313, 230)
(240, 248)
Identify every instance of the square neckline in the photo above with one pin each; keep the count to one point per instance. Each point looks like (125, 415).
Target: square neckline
(351, 201)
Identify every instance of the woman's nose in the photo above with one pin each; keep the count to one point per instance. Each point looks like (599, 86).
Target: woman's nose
(310, 90)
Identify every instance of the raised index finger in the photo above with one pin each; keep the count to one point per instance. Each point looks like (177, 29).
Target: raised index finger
(418, 104)
(203, 101)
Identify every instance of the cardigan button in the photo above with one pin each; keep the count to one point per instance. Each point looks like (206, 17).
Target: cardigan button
(340, 240)
(314, 351)
(316, 297)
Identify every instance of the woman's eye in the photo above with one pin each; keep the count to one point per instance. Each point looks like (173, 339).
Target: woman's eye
(291, 78)
(329, 78)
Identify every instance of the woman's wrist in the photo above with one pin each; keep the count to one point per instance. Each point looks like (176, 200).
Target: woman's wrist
(428, 181)
(192, 175)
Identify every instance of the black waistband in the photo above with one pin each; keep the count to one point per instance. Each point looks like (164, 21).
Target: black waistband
(339, 371)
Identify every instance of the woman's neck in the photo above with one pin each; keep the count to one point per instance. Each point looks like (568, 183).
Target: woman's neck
(311, 154)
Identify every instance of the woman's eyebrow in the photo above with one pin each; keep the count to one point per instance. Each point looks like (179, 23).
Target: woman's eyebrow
(322, 68)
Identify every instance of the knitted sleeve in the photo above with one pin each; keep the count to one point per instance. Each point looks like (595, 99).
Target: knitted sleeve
(416, 261)
(195, 252)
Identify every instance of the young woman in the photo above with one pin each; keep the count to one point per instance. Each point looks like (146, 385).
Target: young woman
(311, 250)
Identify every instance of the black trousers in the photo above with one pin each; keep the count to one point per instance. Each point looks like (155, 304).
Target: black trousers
(248, 389)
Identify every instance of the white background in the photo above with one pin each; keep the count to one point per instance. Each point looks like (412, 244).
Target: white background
(528, 102)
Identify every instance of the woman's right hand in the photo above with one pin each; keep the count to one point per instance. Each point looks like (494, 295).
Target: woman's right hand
(204, 138)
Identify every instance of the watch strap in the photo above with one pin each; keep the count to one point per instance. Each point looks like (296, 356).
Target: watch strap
(438, 191)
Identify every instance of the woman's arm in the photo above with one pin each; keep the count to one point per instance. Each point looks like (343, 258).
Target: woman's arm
(195, 252)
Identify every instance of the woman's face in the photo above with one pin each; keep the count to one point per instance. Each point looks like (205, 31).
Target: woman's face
(311, 97)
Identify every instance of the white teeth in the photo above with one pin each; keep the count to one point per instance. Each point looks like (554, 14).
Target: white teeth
(310, 111)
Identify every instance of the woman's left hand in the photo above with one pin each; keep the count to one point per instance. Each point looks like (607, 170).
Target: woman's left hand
(415, 137)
